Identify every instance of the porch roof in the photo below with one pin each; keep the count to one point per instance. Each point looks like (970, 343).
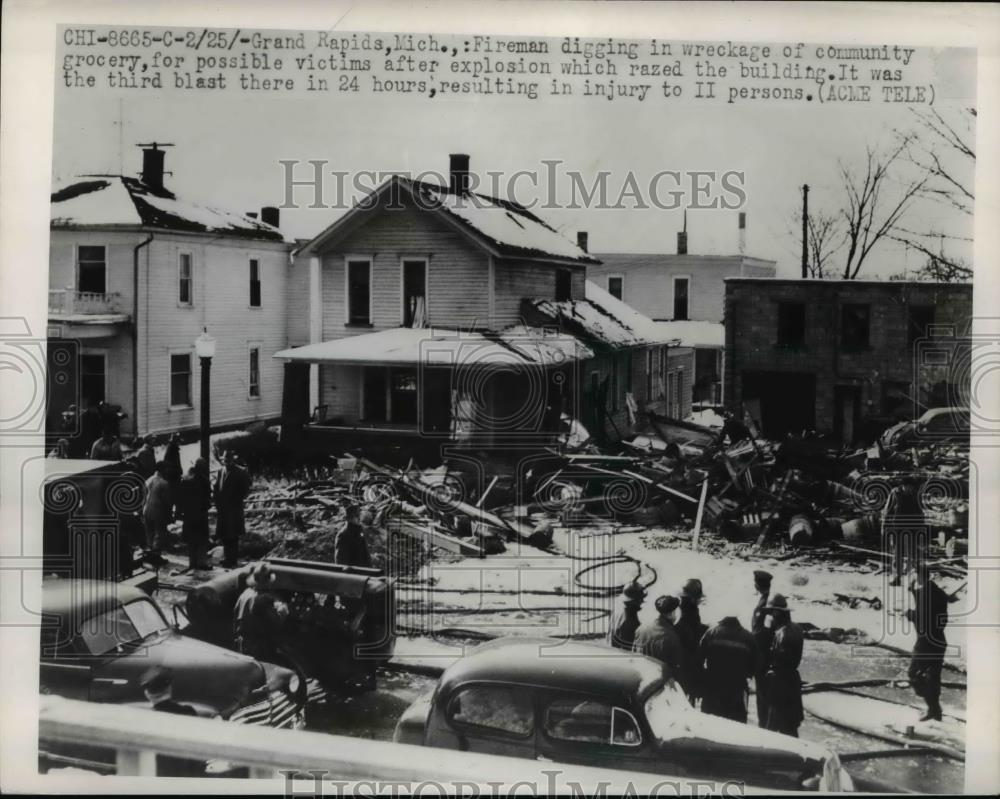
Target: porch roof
(444, 347)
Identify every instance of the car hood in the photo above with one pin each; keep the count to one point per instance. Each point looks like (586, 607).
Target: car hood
(203, 674)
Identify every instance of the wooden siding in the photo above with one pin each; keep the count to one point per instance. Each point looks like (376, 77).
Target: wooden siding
(517, 280)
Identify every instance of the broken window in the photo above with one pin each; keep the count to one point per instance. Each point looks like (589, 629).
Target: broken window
(359, 274)
(855, 320)
(590, 721)
(254, 283)
(414, 293)
(791, 324)
(184, 279)
(501, 708)
(921, 321)
(616, 286)
(254, 383)
(180, 380)
(564, 285)
(92, 378)
(681, 298)
(91, 269)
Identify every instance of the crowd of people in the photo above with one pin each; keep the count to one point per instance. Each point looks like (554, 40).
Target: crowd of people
(713, 665)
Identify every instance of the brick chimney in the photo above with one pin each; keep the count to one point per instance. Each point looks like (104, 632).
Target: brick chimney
(270, 215)
(581, 240)
(743, 233)
(152, 164)
(682, 237)
(458, 173)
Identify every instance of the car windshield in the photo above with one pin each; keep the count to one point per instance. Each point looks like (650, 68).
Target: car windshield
(668, 712)
(126, 625)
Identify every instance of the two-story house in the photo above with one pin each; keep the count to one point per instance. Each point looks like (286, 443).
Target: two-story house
(422, 321)
(136, 274)
(686, 289)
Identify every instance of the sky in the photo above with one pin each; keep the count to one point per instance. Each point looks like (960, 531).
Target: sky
(228, 148)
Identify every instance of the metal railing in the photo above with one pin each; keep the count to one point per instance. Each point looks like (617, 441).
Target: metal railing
(67, 301)
(137, 735)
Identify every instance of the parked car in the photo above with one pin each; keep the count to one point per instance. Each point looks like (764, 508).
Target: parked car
(99, 638)
(937, 425)
(587, 704)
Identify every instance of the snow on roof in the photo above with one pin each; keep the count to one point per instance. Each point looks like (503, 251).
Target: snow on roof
(694, 333)
(99, 200)
(603, 318)
(510, 226)
(445, 347)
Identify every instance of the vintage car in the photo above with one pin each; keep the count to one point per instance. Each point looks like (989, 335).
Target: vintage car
(591, 705)
(99, 638)
(935, 426)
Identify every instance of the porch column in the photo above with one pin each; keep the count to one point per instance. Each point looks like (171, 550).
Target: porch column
(315, 323)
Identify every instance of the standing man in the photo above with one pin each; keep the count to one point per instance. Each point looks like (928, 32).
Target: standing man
(194, 501)
(784, 685)
(929, 615)
(145, 456)
(728, 656)
(625, 621)
(690, 630)
(232, 485)
(107, 447)
(259, 617)
(156, 512)
(760, 627)
(349, 547)
(658, 639)
(157, 685)
(903, 525)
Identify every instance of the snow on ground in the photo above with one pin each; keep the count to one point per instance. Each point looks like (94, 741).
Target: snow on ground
(706, 418)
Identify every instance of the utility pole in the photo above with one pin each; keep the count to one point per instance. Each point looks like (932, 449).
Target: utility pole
(805, 230)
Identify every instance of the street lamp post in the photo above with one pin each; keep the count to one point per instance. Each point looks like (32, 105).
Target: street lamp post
(204, 346)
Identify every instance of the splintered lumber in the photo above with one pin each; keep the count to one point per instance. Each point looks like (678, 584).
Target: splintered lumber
(482, 499)
(701, 510)
(436, 538)
(641, 478)
(432, 499)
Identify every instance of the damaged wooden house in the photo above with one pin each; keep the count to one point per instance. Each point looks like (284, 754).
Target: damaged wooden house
(432, 315)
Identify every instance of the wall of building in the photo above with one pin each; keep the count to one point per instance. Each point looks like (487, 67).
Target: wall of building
(649, 285)
(517, 280)
(889, 360)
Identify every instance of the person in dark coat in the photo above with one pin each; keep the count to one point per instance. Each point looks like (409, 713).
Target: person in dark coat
(232, 485)
(625, 621)
(349, 547)
(172, 457)
(733, 429)
(145, 456)
(156, 512)
(784, 685)
(903, 527)
(90, 431)
(658, 639)
(107, 447)
(690, 630)
(258, 617)
(929, 616)
(194, 502)
(157, 685)
(760, 627)
(728, 656)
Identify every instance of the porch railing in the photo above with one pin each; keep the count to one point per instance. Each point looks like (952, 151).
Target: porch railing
(68, 301)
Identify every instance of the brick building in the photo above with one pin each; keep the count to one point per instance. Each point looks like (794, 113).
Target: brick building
(843, 357)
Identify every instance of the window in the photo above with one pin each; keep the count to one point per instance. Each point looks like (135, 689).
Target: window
(791, 324)
(590, 721)
(180, 380)
(681, 298)
(92, 378)
(91, 269)
(854, 326)
(254, 382)
(359, 279)
(403, 396)
(414, 293)
(564, 285)
(184, 273)
(501, 708)
(921, 320)
(616, 286)
(254, 283)
(125, 625)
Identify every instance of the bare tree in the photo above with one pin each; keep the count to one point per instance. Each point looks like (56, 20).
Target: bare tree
(826, 237)
(874, 202)
(942, 149)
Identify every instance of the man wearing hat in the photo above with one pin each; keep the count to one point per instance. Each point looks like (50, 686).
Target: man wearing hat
(259, 618)
(658, 639)
(157, 684)
(232, 485)
(625, 621)
(929, 616)
(763, 635)
(783, 684)
(728, 657)
(349, 547)
(690, 631)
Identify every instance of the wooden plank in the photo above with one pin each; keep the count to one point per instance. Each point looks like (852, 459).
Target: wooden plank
(437, 538)
(701, 510)
(486, 493)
